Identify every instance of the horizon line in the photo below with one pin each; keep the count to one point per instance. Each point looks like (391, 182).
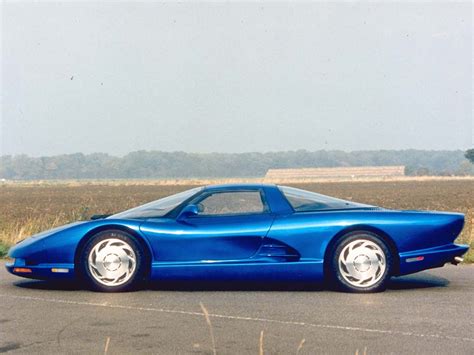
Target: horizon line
(236, 153)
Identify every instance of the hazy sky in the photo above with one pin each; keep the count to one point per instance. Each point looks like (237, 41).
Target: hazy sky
(215, 77)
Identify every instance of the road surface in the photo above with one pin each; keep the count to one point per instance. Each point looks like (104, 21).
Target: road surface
(426, 313)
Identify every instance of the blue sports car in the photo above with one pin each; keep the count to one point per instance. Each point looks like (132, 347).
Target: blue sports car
(244, 232)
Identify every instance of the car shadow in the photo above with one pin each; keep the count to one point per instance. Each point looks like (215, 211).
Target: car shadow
(417, 281)
(421, 280)
(49, 285)
(234, 286)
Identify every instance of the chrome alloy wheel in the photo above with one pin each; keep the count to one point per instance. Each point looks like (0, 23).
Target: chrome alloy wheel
(112, 262)
(362, 263)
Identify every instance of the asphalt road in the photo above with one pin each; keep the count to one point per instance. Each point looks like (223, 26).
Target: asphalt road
(429, 312)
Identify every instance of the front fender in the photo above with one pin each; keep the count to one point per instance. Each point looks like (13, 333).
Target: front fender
(59, 245)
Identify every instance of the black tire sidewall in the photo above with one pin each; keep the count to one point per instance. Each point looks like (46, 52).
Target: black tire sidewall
(336, 277)
(86, 275)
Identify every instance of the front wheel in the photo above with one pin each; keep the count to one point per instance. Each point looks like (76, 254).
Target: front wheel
(112, 261)
(361, 262)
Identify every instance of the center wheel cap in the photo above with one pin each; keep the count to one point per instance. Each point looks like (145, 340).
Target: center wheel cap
(362, 263)
(112, 262)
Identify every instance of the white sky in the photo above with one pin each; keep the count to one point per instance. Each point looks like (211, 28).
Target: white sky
(214, 77)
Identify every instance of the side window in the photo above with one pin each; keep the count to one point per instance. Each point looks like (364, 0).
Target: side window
(228, 203)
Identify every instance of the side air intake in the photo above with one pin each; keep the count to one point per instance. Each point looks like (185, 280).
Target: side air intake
(277, 251)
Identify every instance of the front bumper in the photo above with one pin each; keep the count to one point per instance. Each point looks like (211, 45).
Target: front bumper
(422, 259)
(19, 267)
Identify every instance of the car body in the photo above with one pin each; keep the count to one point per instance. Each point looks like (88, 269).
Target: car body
(276, 236)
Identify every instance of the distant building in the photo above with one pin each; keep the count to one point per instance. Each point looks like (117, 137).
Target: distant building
(353, 172)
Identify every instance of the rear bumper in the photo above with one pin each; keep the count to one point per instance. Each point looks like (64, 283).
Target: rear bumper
(422, 259)
(41, 271)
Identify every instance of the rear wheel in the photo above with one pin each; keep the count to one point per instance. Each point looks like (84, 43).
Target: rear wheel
(112, 261)
(361, 262)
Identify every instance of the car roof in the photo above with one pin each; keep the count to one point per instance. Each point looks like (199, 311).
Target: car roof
(240, 186)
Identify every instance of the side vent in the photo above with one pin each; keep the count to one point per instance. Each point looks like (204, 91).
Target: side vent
(276, 251)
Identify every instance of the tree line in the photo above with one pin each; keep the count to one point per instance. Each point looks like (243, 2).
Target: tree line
(158, 164)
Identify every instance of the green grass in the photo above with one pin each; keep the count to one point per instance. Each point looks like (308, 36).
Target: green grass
(3, 249)
(469, 256)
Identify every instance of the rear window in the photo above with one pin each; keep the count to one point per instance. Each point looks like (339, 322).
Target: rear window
(305, 201)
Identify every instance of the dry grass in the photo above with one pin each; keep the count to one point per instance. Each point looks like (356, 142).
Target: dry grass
(209, 324)
(106, 348)
(300, 346)
(26, 209)
(29, 209)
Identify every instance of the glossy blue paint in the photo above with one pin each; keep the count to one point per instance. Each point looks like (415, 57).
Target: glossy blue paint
(206, 238)
(279, 244)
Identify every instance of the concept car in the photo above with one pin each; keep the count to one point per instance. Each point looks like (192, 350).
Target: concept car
(249, 232)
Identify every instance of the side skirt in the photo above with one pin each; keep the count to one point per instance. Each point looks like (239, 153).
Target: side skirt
(259, 271)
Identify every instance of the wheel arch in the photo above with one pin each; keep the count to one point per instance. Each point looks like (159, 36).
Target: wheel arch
(362, 228)
(90, 234)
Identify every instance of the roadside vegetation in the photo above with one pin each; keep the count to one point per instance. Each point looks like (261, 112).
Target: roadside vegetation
(3, 249)
(26, 209)
(172, 165)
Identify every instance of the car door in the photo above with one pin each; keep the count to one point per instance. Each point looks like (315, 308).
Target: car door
(229, 226)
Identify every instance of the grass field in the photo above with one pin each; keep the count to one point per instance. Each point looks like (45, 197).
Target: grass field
(26, 209)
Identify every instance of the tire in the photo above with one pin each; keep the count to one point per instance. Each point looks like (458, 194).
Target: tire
(112, 261)
(361, 263)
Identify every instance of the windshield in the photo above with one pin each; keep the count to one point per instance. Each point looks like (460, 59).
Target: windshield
(304, 201)
(157, 208)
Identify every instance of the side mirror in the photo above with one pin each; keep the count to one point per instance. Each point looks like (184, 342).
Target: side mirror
(188, 211)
